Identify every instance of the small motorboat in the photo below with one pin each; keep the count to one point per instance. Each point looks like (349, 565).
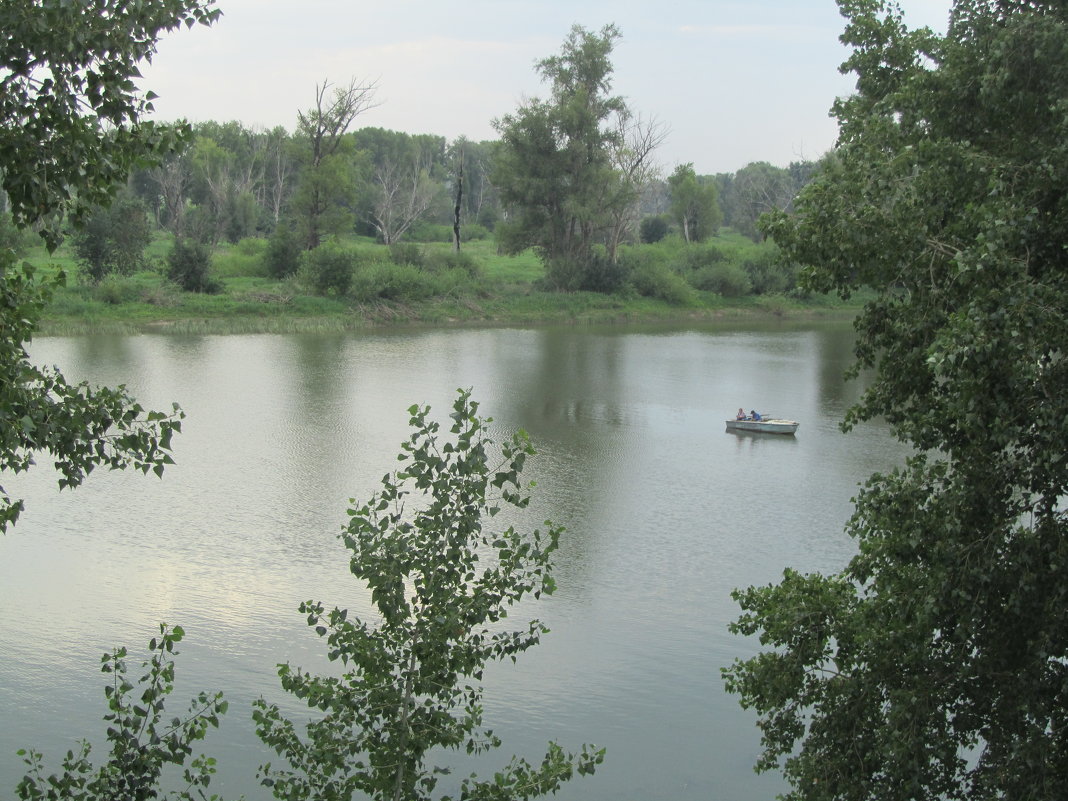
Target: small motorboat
(764, 425)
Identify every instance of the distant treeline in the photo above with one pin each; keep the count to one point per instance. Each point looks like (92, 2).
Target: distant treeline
(235, 182)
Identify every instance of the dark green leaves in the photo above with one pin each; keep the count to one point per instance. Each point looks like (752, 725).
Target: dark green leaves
(78, 427)
(933, 665)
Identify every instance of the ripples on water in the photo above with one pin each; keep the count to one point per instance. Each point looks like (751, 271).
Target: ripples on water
(666, 514)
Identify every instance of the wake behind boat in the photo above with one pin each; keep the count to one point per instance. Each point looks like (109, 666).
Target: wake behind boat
(764, 425)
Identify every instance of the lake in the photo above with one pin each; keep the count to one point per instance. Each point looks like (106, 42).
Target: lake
(665, 513)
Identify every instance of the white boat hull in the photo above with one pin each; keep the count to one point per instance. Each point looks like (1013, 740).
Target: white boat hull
(764, 426)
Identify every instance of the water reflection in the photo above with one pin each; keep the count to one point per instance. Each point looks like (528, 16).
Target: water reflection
(665, 512)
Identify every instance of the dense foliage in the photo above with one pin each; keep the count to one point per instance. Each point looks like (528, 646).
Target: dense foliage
(935, 665)
(440, 582)
(694, 205)
(189, 266)
(554, 167)
(113, 239)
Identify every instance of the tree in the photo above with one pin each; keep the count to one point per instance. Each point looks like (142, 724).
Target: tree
(171, 181)
(71, 119)
(142, 741)
(326, 180)
(114, 239)
(632, 157)
(480, 202)
(404, 178)
(70, 129)
(403, 193)
(554, 167)
(439, 580)
(755, 189)
(935, 665)
(693, 204)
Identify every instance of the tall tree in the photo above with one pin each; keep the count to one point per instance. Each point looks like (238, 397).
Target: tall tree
(935, 665)
(694, 204)
(554, 166)
(325, 182)
(71, 128)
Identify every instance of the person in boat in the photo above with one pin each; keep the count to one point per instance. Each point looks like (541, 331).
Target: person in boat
(754, 415)
(741, 414)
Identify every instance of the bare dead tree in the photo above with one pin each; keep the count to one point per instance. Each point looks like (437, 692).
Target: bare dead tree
(173, 178)
(278, 172)
(404, 194)
(632, 157)
(459, 201)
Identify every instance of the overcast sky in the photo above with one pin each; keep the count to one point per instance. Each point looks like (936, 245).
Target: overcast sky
(735, 81)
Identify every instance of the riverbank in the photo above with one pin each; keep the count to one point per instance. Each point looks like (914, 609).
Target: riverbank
(505, 292)
(294, 315)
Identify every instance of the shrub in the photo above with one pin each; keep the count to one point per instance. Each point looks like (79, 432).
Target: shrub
(652, 277)
(406, 253)
(189, 264)
(282, 255)
(438, 261)
(399, 282)
(251, 246)
(430, 232)
(768, 274)
(653, 229)
(115, 291)
(700, 256)
(329, 268)
(728, 280)
(601, 274)
(472, 232)
(113, 239)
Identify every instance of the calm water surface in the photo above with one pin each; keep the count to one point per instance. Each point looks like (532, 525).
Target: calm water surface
(665, 514)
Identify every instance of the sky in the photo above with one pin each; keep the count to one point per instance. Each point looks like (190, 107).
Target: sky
(733, 81)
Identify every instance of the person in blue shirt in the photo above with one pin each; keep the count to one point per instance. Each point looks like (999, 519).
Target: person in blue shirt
(755, 415)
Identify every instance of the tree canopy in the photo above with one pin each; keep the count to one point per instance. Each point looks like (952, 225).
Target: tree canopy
(935, 665)
(554, 168)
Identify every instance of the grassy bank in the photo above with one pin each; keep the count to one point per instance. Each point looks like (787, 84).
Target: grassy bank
(500, 290)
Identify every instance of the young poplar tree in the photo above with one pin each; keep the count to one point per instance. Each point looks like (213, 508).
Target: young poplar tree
(440, 581)
(143, 741)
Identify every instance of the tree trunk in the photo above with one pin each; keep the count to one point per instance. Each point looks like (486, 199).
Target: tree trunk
(459, 200)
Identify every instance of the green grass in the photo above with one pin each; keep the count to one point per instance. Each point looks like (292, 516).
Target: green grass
(506, 291)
